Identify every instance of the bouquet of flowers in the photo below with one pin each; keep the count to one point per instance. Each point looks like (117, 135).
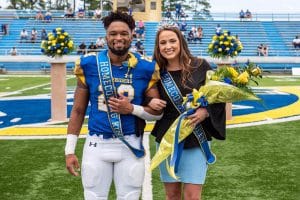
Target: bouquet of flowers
(226, 84)
(224, 45)
(57, 43)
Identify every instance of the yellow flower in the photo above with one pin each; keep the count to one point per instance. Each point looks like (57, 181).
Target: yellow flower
(58, 51)
(62, 37)
(233, 72)
(243, 78)
(62, 44)
(58, 29)
(215, 78)
(132, 61)
(256, 71)
(220, 49)
(51, 37)
(215, 37)
(196, 95)
(66, 34)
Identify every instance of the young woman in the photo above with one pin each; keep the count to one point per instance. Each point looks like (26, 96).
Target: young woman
(186, 72)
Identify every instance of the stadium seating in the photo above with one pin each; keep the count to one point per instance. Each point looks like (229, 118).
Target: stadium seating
(278, 35)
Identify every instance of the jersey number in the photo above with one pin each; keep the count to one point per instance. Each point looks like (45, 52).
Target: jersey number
(126, 90)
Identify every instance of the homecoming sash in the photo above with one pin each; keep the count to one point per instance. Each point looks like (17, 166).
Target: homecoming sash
(176, 98)
(105, 76)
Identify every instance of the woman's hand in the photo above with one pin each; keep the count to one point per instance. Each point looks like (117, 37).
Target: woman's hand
(157, 104)
(198, 116)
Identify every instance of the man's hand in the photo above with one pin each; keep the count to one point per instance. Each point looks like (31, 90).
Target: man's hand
(120, 105)
(72, 164)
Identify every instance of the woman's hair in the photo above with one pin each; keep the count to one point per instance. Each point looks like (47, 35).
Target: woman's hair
(119, 16)
(186, 59)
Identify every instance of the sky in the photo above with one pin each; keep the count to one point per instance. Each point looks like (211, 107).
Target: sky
(275, 6)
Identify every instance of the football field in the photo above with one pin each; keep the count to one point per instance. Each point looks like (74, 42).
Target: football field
(257, 161)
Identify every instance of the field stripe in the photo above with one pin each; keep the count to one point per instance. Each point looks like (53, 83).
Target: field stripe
(282, 112)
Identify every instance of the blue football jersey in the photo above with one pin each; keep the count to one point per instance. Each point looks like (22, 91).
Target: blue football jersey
(134, 86)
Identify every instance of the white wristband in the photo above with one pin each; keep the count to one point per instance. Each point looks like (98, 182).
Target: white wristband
(71, 144)
(141, 113)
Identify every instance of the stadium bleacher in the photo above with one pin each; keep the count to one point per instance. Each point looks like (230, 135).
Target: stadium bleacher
(278, 35)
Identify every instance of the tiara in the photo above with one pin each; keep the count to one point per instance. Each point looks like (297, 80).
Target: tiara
(167, 24)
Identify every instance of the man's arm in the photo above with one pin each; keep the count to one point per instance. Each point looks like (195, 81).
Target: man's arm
(81, 98)
(122, 105)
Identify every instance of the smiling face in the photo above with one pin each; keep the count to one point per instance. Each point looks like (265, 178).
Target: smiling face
(169, 45)
(118, 37)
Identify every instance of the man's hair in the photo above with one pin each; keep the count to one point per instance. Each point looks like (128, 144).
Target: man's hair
(119, 16)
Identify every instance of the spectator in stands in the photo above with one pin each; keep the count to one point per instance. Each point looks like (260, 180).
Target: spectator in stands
(130, 10)
(168, 14)
(80, 13)
(259, 49)
(141, 24)
(69, 13)
(139, 47)
(296, 42)
(262, 50)
(81, 49)
(265, 50)
(182, 14)
(34, 34)
(100, 42)
(242, 15)
(218, 29)
(97, 14)
(4, 29)
(13, 51)
(43, 34)
(177, 10)
(182, 27)
(48, 16)
(92, 47)
(140, 33)
(191, 36)
(23, 35)
(39, 16)
(199, 34)
(133, 49)
(248, 14)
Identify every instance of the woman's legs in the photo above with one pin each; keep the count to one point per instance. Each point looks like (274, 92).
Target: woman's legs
(192, 191)
(173, 191)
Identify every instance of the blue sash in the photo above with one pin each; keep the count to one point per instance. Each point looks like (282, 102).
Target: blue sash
(105, 76)
(176, 98)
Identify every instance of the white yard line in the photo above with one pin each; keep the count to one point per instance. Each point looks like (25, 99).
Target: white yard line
(147, 185)
(25, 89)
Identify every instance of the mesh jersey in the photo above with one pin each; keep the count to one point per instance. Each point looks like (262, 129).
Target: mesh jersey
(142, 77)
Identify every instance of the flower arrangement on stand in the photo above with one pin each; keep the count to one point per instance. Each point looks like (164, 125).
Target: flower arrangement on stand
(57, 43)
(224, 45)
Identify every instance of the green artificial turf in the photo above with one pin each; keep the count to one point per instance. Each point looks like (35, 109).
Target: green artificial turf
(253, 163)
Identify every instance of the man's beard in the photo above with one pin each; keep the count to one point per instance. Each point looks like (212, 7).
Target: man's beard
(122, 52)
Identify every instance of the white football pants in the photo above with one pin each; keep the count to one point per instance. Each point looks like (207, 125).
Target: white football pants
(105, 160)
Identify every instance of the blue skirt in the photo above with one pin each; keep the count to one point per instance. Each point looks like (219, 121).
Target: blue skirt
(192, 168)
